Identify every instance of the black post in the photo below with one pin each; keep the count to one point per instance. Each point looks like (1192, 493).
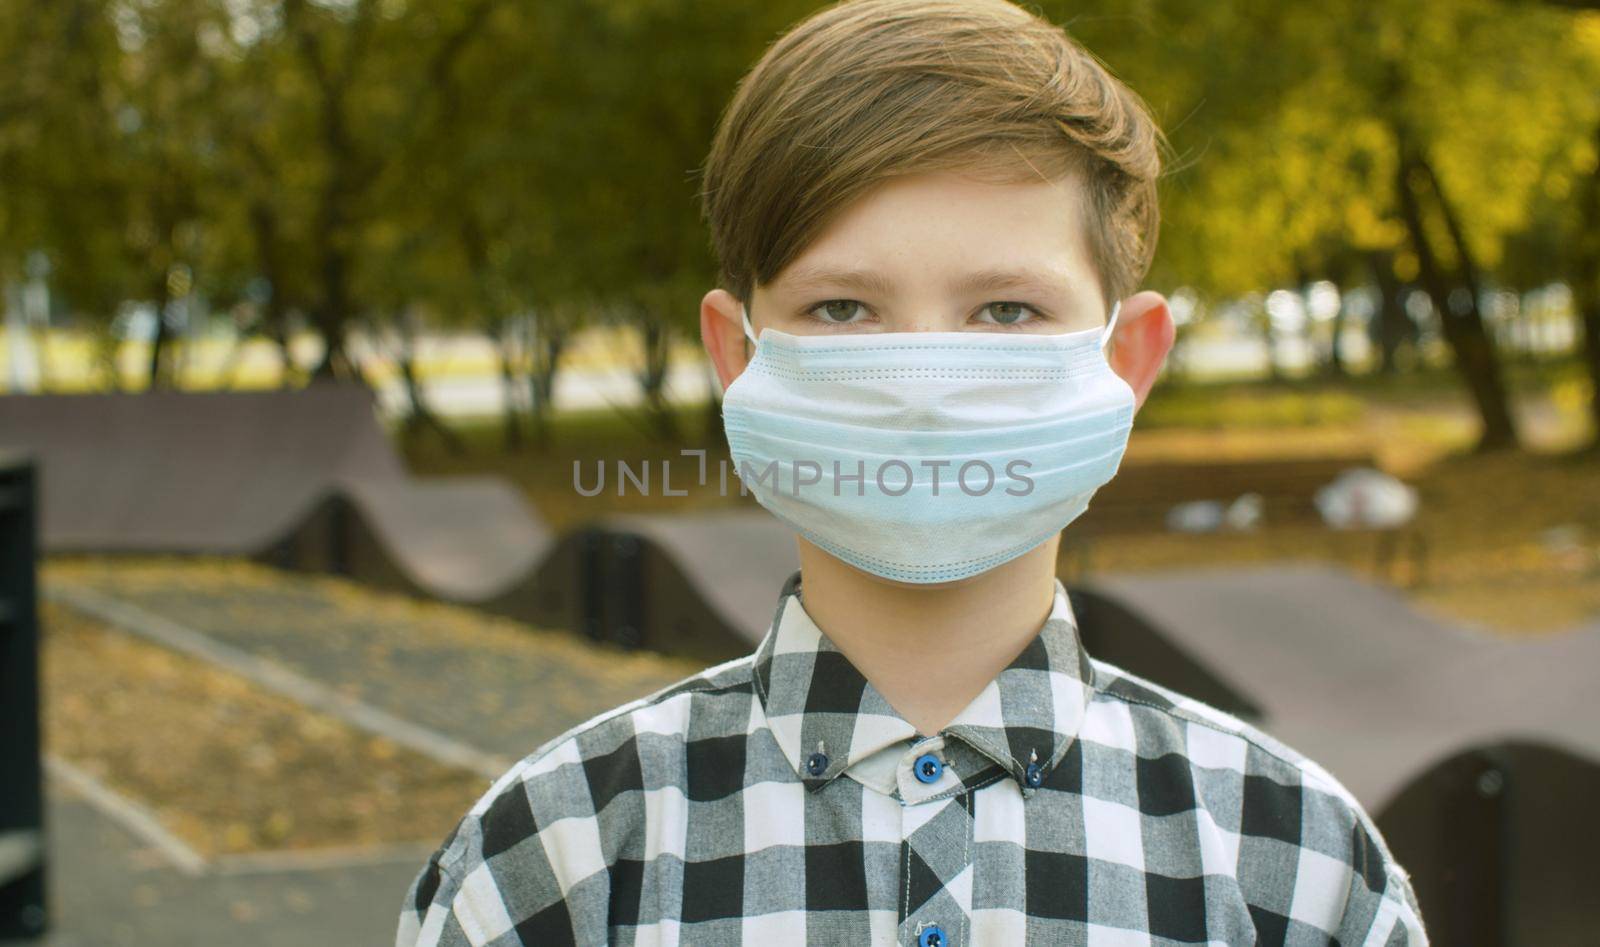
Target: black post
(592, 589)
(625, 615)
(22, 848)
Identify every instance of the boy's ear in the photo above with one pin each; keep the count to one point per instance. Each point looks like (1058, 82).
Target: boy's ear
(722, 334)
(1140, 342)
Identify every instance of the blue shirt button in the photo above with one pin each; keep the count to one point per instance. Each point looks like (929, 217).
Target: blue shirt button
(928, 768)
(817, 764)
(932, 936)
(1033, 775)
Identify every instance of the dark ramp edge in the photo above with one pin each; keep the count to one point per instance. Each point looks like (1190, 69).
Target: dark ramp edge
(703, 586)
(1498, 838)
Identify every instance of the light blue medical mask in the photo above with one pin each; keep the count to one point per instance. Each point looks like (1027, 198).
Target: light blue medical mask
(928, 456)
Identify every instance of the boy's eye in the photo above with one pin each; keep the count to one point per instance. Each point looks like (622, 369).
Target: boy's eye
(842, 312)
(837, 311)
(1007, 314)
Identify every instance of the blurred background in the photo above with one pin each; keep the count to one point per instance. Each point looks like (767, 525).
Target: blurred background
(342, 340)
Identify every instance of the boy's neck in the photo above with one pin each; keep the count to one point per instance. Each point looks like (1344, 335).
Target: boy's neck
(930, 650)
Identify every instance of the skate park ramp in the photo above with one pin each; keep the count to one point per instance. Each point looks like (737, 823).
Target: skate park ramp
(735, 562)
(1350, 673)
(703, 585)
(1377, 737)
(1478, 756)
(304, 478)
(169, 471)
(1288, 635)
(1497, 838)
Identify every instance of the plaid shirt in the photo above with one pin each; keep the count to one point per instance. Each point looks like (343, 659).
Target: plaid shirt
(779, 799)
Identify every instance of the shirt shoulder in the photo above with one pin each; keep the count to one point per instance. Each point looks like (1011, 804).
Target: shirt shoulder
(538, 844)
(1306, 854)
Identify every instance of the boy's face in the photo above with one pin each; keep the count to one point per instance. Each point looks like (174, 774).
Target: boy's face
(943, 252)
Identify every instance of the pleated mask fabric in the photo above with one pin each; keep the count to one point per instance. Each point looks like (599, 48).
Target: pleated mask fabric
(928, 457)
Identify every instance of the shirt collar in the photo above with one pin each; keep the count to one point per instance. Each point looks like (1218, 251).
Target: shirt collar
(826, 716)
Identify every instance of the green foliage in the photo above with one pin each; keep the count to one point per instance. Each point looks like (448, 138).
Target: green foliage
(481, 160)
(1289, 129)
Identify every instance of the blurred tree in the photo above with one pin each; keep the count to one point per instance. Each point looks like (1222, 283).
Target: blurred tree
(361, 71)
(1581, 217)
(1392, 326)
(522, 169)
(484, 184)
(105, 152)
(649, 79)
(1411, 129)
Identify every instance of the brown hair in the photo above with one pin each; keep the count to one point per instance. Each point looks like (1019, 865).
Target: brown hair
(865, 90)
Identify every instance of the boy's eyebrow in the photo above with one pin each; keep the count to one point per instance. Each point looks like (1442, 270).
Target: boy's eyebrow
(988, 280)
(870, 281)
(867, 281)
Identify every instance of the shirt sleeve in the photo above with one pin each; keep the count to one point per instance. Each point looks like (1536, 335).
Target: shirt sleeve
(1381, 908)
(427, 908)
(461, 898)
(525, 865)
(1398, 922)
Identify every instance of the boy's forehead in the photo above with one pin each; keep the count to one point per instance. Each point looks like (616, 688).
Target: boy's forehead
(972, 234)
(1047, 278)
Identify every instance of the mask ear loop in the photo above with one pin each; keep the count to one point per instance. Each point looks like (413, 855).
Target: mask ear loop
(1104, 336)
(749, 332)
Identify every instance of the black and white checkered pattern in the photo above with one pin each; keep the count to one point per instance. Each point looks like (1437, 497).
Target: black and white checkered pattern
(1070, 803)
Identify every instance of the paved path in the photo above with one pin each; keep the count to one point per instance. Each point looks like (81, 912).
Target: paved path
(492, 685)
(107, 888)
(491, 688)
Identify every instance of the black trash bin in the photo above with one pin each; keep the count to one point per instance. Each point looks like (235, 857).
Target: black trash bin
(22, 848)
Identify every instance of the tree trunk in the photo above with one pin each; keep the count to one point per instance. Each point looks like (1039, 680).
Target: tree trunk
(653, 377)
(274, 316)
(1584, 278)
(505, 338)
(420, 417)
(279, 332)
(552, 342)
(1391, 324)
(1475, 356)
(1335, 367)
(1587, 301)
(158, 345)
(1269, 335)
(329, 316)
(546, 341)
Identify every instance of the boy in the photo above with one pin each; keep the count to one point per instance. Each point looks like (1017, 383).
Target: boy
(923, 212)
